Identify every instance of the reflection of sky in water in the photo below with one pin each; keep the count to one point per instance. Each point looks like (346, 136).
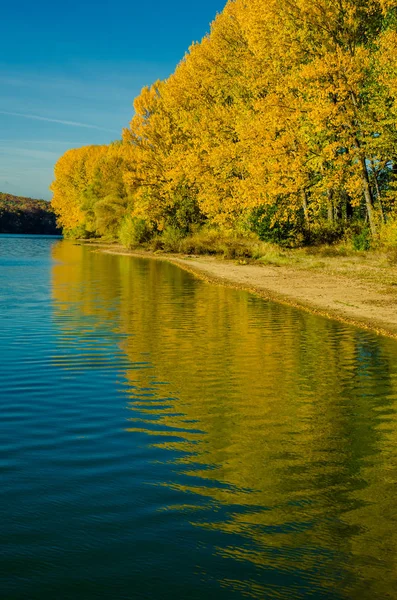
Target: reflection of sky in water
(208, 443)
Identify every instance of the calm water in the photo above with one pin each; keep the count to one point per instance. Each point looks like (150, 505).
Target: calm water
(163, 438)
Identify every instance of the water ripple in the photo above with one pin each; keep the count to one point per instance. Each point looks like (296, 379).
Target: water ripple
(163, 438)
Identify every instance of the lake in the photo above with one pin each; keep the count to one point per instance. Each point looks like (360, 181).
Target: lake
(164, 438)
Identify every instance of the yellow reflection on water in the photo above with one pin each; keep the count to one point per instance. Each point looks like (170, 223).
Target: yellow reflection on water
(284, 421)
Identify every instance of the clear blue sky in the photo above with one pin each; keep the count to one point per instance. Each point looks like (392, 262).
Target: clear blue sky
(73, 69)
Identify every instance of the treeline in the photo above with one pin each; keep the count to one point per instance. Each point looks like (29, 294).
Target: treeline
(281, 121)
(25, 215)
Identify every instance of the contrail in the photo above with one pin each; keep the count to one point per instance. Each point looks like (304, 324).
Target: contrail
(60, 121)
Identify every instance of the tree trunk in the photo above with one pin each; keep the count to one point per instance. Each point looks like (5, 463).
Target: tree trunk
(368, 196)
(330, 206)
(348, 207)
(365, 179)
(337, 212)
(305, 208)
(378, 196)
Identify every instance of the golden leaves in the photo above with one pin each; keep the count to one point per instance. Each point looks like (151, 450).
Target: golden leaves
(283, 97)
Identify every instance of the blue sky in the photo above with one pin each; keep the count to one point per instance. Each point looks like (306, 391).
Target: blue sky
(69, 74)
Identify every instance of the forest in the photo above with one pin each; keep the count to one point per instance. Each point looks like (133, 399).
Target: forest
(25, 215)
(280, 126)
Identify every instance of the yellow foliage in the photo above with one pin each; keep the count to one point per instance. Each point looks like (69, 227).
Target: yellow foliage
(73, 173)
(286, 104)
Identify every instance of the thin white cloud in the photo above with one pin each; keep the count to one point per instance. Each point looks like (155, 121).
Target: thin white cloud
(60, 121)
(38, 142)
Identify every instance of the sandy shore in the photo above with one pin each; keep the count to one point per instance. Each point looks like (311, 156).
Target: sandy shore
(371, 304)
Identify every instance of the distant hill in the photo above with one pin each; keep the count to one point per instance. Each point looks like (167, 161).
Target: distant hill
(26, 215)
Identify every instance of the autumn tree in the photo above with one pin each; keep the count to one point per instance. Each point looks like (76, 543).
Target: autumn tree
(285, 112)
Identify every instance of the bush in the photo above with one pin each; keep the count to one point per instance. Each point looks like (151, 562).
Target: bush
(362, 240)
(184, 214)
(225, 243)
(80, 232)
(171, 239)
(323, 233)
(134, 231)
(267, 224)
(204, 241)
(388, 234)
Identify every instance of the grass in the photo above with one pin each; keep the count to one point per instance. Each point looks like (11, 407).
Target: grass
(226, 244)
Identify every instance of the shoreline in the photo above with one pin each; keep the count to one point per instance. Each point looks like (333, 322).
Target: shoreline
(364, 304)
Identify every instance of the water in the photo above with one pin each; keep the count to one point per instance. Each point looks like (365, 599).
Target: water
(163, 438)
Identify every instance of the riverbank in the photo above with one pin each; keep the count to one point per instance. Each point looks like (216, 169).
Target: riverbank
(360, 290)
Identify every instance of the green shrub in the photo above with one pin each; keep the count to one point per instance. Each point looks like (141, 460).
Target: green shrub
(362, 240)
(265, 222)
(78, 233)
(171, 239)
(134, 231)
